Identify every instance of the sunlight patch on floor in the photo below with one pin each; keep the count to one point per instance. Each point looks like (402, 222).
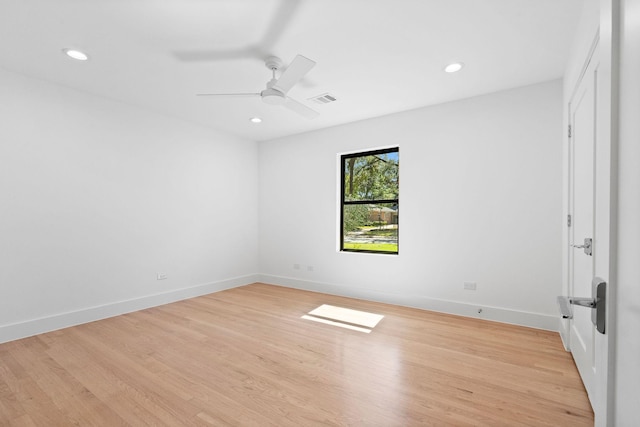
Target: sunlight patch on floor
(356, 320)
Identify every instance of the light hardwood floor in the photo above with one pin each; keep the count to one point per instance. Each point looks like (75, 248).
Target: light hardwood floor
(245, 357)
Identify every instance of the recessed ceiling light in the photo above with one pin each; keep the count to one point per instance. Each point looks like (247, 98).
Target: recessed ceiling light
(452, 68)
(76, 54)
(255, 120)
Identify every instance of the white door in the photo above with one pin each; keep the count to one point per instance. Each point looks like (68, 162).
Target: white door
(582, 117)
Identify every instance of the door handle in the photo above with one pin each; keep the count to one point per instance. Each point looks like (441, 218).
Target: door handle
(583, 302)
(598, 304)
(588, 242)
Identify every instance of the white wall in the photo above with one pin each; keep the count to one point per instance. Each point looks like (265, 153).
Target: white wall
(627, 392)
(480, 201)
(98, 196)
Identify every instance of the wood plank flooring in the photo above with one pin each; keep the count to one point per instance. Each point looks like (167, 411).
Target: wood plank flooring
(244, 357)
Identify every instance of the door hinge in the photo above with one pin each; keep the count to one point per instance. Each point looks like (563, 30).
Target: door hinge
(569, 131)
(568, 220)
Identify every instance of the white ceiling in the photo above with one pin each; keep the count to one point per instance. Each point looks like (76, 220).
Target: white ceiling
(376, 56)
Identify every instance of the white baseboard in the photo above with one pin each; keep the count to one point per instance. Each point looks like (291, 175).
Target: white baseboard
(63, 320)
(564, 333)
(497, 314)
(41, 325)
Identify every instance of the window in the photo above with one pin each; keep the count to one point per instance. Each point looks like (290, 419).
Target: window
(369, 201)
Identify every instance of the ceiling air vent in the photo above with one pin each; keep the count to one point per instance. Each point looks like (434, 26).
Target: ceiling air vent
(325, 98)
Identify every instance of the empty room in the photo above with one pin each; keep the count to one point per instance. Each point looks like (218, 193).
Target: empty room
(319, 212)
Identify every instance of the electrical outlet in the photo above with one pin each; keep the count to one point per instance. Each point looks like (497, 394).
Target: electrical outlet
(296, 266)
(470, 286)
(161, 276)
(309, 267)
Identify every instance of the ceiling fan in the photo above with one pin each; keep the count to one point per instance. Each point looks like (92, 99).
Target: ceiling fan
(277, 89)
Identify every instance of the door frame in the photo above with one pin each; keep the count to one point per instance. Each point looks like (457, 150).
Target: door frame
(607, 203)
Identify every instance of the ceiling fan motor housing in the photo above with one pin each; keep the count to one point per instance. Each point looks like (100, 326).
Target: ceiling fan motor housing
(273, 96)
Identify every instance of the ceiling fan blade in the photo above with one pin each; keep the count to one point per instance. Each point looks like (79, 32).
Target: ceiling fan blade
(217, 55)
(279, 23)
(301, 109)
(228, 94)
(294, 72)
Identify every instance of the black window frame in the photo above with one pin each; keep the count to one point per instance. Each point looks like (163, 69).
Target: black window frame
(343, 202)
